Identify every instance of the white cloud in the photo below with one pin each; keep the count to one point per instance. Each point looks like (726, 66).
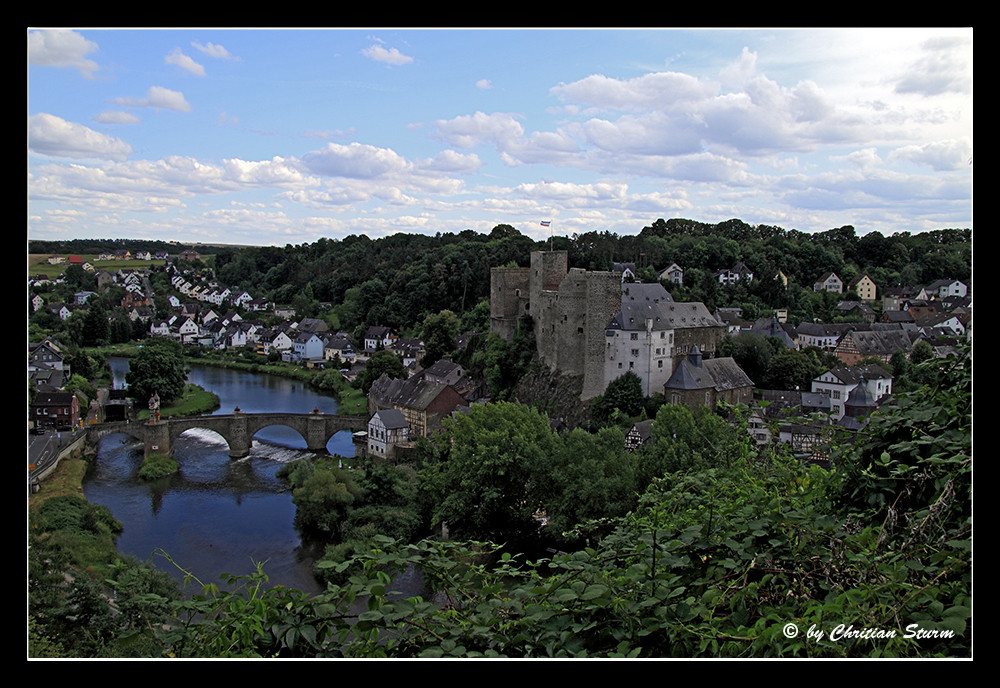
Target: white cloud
(355, 160)
(942, 68)
(650, 91)
(484, 84)
(59, 48)
(939, 155)
(157, 97)
(116, 117)
(468, 131)
(391, 56)
(179, 59)
(213, 50)
(51, 135)
(451, 162)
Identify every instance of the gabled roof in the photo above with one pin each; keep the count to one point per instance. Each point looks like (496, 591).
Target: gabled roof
(392, 419)
(720, 374)
(854, 374)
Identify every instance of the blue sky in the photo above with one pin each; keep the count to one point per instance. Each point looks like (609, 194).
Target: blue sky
(274, 137)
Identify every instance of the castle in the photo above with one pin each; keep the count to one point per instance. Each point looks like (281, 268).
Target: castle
(595, 325)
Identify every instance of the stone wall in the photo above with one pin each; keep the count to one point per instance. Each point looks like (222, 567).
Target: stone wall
(509, 299)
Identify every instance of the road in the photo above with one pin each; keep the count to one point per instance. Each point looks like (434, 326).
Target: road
(43, 449)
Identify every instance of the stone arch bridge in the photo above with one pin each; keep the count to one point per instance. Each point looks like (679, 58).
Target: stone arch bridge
(237, 429)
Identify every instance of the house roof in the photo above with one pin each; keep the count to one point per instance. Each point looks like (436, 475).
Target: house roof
(881, 342)
(392, 419)
(855, 374)
(720, 374)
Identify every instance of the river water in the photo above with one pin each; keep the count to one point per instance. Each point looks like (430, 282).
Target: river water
(217, 515)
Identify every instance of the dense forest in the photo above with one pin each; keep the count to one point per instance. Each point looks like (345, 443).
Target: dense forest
(400, 279)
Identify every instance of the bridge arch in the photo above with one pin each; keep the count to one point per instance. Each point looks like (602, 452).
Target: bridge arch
(237, 429)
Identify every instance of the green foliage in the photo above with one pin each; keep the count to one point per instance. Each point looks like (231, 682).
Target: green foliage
(624, 393)
(158, 367)
(157, 465)
(440, 333)
(381, 362)
(71, 512)
(484, 482)
(322, 496)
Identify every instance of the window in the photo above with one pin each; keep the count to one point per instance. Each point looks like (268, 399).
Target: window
(659, 364)
(634, 336)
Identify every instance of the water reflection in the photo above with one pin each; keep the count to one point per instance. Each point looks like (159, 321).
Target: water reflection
(217, 515)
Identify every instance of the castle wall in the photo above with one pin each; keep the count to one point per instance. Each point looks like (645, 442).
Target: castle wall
(510, 289)
(604, 300)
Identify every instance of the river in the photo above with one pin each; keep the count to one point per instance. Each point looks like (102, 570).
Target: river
(217, 515)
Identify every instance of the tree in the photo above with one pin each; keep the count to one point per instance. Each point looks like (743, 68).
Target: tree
(381, 362)
(439, 335)
(623, 393)
(485, 483)
(96, 328)
(158, 367)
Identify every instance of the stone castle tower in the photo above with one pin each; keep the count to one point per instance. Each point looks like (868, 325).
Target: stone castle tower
(570, 309)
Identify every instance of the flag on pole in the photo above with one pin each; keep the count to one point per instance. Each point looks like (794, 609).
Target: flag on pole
(545, 223)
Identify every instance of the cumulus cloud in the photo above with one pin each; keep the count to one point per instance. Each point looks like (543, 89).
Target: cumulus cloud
(943, 68)
(213, 50)
(59, 48)
(116, 117)
(452, 162)
(355, 160)
(938, 155)
(650, 91)
(469, 131)
(391, 56)
(178, 58)
(51, 135)
(157, 97)
(484, 84)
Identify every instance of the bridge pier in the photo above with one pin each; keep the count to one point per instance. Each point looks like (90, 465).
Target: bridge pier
(156, 437)
(238, 436)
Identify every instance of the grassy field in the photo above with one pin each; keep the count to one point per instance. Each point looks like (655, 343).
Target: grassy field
(38, 264)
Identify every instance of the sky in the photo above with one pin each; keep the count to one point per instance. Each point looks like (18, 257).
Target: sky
(285, 136)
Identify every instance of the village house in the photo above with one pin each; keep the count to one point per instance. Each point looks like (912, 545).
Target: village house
(699, 381)
(46, 365)
(738, 273)
(387, 429)
(339, 346)
(882, 344)
(423, 403)
(840, 381)
(379, 336)
(821, 335)
(638, 435)
(55, 410)
(864, 286)
(829, 282)
(942, 288)
(672, 273)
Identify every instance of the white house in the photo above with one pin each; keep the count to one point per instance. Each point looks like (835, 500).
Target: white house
(188, 330)
(840, 381)
(829, 282)
(673, 273)
(308, 347)
(386, 429)
(944, 287)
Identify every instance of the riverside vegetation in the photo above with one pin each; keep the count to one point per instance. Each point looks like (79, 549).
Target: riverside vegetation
(728, 550)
